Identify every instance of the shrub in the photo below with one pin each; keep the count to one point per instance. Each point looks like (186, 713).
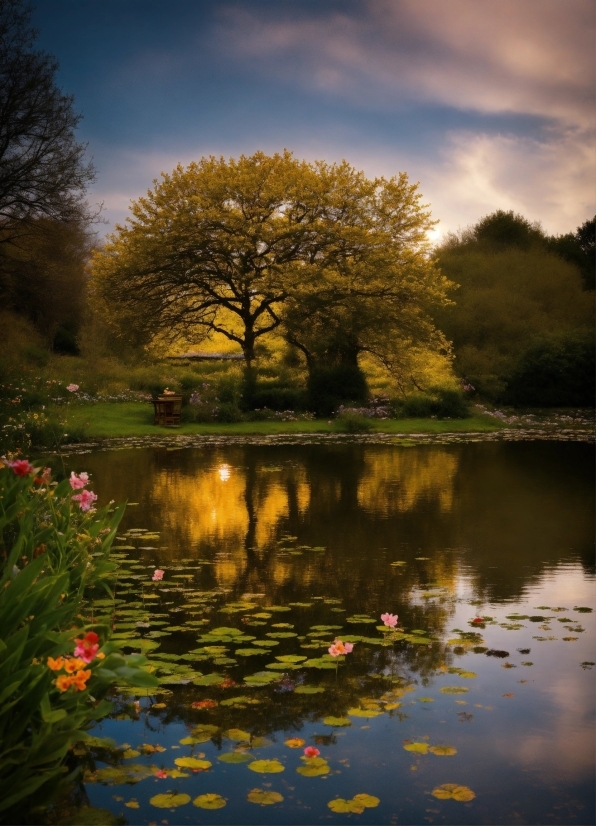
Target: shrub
(444, 403)
(277, 397)
(228, 413)
(328, 387)
(54, 553)
(350, 422)
(555, 371)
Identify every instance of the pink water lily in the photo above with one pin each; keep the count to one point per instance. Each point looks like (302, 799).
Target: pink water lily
(78, 481)
(85, 499)
(157, 575)
(338, 648)
(161, 773)
(390, 620)
(311, 751)
(72, 388)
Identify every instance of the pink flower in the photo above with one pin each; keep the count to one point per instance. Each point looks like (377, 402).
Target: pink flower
(161, 773)
(390, 620)
(72, 388)
(158, 575)
(22, 467)
(87, 647)
(311, 751)
(85, 499)
(338, 648)
(78, 482)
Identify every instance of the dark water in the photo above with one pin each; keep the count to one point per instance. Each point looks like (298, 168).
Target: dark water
(489, 530)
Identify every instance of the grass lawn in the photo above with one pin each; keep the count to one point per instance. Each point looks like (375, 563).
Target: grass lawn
(105, 420)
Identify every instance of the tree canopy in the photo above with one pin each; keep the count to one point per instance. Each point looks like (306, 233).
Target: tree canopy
(42, 169)
(519, 303)
(240, 247)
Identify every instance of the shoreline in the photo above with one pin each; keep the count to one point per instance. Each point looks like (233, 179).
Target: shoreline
(181, 441)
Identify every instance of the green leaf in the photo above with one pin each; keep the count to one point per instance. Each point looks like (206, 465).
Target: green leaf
(266, 766)
(336, 721)
(209, 801)
(169, 800)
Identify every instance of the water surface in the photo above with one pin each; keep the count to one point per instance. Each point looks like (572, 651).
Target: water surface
(335, 535)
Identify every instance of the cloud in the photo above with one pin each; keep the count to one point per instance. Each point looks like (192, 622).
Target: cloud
(498, 56)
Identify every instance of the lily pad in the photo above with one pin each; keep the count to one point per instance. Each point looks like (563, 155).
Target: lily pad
(169, 801)
(250, 652)
(363, 712)
(309, 689)
(336, 721)
(209, 679)
(266, 766)
(290, 658)
(237, 734)
(417, 748)
(443, 751)
(209, 801)
(453, 791)
(235, 757)
(453, 689)
(264, 798)
(314, 767)
(193, 763)
(294, 742)
(369, 801)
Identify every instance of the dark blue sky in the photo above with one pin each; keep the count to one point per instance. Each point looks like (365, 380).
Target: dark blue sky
(489, 105)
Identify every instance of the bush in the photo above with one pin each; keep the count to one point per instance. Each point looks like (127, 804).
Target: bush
(328, 387)
(444, 403)
(228, 413)
(53, 555)
(349, 422)
(277, 397)
(556, 371)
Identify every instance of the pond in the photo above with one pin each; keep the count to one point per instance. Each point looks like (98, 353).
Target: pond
(476, 707)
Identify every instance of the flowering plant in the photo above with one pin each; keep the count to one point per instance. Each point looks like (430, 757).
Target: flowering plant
(54, 670)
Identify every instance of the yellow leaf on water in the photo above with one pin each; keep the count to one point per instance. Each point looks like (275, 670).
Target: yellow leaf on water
(193, 763)
(209, 801)
(443, 751)
(453, 791)
(369, 801)
(266, 766)
(341, 806)
(264, 798)
(132, 804)
(169, 801)
(295, 742)
(419, 748)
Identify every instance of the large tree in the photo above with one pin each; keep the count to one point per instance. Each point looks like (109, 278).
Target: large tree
(42, 168)
(225, 246)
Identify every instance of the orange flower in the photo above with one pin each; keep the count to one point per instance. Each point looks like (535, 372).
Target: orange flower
(101, 656)
(55, 664)
(72, 665)
(63, 682)
(80, 679)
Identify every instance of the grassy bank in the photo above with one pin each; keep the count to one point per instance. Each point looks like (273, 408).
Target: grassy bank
(105, 420)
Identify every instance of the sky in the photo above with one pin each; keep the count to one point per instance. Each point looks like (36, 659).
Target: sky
(488, 104)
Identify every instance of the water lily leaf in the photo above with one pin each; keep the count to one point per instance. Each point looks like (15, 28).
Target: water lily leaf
(309, 689)
(294, 742)
(369, 801)
(319, 662)
(583, 609)
(250, 652)
(314, 767)
(266, 766)
(300, 604)
(290, 658)
(453, 689)
(264, 798)
(443, 751)
(468, 675)
(425, 700)
(418, 748)
(282, 666)
(363, 712)
(282, 625)
(262, 615)
(193, 741)
(193, 763)
(336, 721)
(158, 705)
(132, 804)
(260, 678)
(209, 679)
(209, 801)
(281, 635)
(360, 618)
(453, 791)
(341, 806)
(237, 734)
(241, 700)
(117, 775)
(204, 728)
(169, 801)
(266, 643)
(177, 773)
(235, 757)
(129, 753)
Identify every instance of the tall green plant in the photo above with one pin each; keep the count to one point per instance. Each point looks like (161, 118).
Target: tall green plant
(55, 670)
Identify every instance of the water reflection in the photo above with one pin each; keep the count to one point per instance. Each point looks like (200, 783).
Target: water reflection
(477, 529)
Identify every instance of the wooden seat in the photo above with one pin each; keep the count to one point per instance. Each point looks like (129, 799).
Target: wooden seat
(167, 410)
